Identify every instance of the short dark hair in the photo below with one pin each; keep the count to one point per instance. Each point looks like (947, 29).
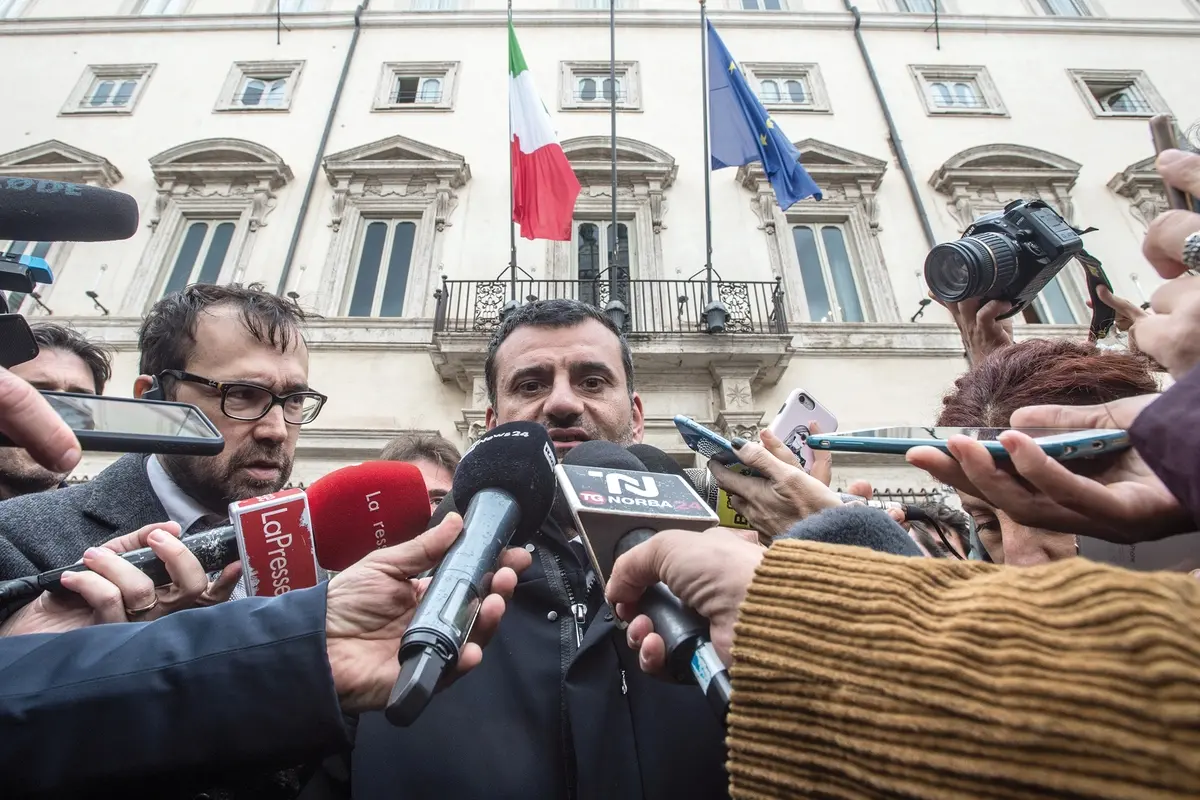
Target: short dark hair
(551, 314)
(431, 447)
(59, 337)
(168, 333)
(1043, 372)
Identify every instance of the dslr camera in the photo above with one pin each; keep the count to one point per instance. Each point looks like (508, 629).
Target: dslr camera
(1006, 255)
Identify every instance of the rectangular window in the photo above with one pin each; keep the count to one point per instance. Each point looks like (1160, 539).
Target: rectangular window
(416, 86)
(784, 86)
(201, 253)
(917, 6)
(11, 9)
(762, 5)
(957, 90)
(260, 86)
(596, 5)
(1051, 306)
(151, 8)
(1118, 93)
(604, 272)
(827, 274)
(1065, 8)
(297, 6)
(434, 5)
(108, 89)
(380, 277)
(590, 85)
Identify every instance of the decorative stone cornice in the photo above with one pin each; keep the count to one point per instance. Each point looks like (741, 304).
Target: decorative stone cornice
(219, 168)
(1142, 185)
(630, 18)
(644, 171)
(397, 167)
(843, 175)
(989, 176)
(58, 161)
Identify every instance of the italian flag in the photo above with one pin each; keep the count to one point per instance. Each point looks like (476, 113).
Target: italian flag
(544, 185)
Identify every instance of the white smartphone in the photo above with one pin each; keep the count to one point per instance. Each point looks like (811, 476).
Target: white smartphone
(791, 425)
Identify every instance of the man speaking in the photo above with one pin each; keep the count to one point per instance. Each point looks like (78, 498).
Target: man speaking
(559, 709)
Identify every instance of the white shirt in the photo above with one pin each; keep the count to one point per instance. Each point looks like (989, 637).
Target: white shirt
(180, 506)
(183, 508)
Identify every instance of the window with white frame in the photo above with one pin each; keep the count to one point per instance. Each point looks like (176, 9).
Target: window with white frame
(763, 5)
(589, 84)
(296, 6)
(260, 86)
(826, 273)
(201, 253)
(435, 5)
(785, 86)
(596, 5)
(11, 9)
(1118, 93)
(595, 256)
(108, 89)
(416, 86)
(1051, 306)
(150, 8)
(1065, 8)
(916, 6)
(381, 265)
(957, 90)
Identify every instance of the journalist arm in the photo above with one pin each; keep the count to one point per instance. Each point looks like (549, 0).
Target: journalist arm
(885, 676)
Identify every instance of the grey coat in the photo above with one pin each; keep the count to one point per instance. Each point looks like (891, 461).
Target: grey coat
(52, 529)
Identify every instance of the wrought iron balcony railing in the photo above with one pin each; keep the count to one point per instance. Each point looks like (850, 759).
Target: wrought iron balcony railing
(650, 306)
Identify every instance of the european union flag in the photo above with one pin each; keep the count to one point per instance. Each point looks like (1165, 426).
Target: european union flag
(741, 131)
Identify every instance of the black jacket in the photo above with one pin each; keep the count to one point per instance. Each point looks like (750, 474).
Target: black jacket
(545, 718)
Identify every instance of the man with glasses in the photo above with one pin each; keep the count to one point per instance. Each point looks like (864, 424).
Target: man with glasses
(238, 354)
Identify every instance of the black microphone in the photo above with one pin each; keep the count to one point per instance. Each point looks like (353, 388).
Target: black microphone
(37, 210)
(690, 655)
(506, 484)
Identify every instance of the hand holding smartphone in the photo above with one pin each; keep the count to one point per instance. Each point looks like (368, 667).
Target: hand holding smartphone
(1164, 133)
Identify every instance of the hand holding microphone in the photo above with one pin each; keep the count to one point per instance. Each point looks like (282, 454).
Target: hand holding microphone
(114, 590)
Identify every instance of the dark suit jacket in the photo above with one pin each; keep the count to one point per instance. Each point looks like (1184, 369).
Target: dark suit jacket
(52, 529)
(113, 710)
(1167, 437)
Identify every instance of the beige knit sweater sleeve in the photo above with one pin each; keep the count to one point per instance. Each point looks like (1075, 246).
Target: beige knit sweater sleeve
(858, 674)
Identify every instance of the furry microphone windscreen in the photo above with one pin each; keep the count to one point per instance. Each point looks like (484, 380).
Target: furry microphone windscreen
(518, 458)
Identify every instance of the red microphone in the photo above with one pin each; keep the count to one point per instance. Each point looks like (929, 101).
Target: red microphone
(281, 537)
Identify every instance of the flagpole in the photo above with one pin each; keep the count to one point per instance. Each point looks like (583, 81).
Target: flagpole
(708, 268)
(612, 112)
(512, 225)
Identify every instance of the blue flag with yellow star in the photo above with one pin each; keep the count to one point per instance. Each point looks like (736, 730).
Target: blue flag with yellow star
(741, 131)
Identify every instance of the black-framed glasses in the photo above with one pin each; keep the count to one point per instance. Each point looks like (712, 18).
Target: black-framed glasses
(248, 402)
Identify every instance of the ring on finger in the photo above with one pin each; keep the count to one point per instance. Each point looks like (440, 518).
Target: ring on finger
(1191, 251)
(133, 612)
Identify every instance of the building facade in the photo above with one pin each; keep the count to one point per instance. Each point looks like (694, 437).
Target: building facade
(355, 157)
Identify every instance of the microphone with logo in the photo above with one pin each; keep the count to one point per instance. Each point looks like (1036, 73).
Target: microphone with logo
(617, 505)
(353, 511)
(506, 483)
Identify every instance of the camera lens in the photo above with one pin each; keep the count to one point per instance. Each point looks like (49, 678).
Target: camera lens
(971, 267)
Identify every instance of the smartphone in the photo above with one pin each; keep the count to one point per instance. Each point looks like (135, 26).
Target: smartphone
(125, 425)
(709, 444)
(1164, 133)
(1059, 444)
(17, 344)
(791, 425)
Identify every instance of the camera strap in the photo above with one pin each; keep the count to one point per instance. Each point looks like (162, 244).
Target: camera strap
(1103, 317)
